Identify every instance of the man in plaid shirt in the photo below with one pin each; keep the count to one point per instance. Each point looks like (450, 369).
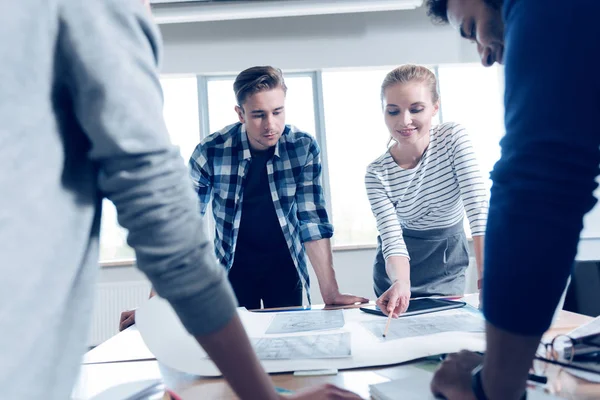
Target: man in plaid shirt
(264, 178)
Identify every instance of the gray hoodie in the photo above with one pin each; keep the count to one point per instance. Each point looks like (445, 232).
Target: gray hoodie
(81, 119)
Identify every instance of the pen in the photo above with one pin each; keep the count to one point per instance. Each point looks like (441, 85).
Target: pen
(287, 309)
(281, 390)
(387, 325)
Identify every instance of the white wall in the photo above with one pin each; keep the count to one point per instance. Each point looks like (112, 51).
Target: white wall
(314, 42)
(354, 270)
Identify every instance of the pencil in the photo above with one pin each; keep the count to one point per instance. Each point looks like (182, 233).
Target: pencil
(387, 326)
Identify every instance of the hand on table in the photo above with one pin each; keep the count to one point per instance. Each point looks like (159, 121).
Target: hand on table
(322, 392)
(452, 380)
(395, 300)
(127, 319)
(343, 299)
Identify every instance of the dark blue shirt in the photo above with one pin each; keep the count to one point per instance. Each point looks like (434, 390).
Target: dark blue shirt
(544, 182)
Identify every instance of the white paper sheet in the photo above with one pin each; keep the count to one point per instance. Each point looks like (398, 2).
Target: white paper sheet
(165, 334)
(126, 346)
(590, 328)
(148, 389)
(173, 346)
(305, 321)
(334, 345)
(427, 324)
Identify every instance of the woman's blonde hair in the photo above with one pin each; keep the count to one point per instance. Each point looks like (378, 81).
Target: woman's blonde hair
(411, 73)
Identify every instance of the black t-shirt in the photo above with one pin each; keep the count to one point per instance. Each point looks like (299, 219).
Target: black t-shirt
(260, 241)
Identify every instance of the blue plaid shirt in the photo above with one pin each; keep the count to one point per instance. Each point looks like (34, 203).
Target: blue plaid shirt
(218, 167)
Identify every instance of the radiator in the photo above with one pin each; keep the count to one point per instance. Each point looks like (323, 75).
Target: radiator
(111, 298)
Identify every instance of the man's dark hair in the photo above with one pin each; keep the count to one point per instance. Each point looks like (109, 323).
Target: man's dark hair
(437, 10)
(257, 79)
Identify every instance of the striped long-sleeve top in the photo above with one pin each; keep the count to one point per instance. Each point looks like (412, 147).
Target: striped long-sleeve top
(435, 193)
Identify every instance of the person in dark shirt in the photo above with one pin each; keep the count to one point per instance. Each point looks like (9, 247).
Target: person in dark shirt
(263, 180)
(543, 184)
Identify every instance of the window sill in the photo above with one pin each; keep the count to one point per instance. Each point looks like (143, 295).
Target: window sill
(118, 263)
(354, 247)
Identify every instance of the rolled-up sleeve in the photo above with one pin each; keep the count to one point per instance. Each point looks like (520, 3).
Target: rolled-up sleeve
(201, 175)
(312, 214)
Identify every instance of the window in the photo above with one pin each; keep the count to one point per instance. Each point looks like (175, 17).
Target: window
(182, 119)
(356, 135)
(472, 96)
(299, 108)
(181, 112)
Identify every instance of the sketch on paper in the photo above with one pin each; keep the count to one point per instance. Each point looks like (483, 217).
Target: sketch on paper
(420, 325)
(302, 321)
(336, 345)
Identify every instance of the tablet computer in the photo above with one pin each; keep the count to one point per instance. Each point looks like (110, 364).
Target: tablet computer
(420, 306)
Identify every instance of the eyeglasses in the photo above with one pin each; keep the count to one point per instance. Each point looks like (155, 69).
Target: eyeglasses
(578, 353)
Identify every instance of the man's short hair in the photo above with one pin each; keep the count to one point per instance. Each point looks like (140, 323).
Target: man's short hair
(437, 10)
(257, 79)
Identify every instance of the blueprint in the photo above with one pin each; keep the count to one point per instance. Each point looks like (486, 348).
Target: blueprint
(172, 345)
(426, 325)
(302, 321)
(335, 345)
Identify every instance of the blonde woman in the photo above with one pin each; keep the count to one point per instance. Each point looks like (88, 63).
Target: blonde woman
(419, 190)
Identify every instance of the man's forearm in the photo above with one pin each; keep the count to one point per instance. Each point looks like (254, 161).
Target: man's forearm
(507, 361)
(231, 351)
(321, 259)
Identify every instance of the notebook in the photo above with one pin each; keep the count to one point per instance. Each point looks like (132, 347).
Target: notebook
(415, 385)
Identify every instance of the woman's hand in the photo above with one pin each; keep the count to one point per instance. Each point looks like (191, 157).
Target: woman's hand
(395, 300)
